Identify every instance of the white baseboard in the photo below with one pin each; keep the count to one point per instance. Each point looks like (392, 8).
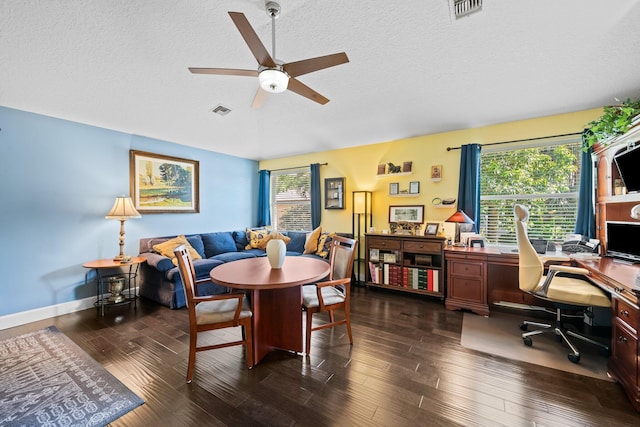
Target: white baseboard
(24, 317)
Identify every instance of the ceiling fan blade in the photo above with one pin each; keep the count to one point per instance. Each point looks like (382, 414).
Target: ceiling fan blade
(224, 71)
(251, 38)
(304, 90)
(260, 97)
(298, 68)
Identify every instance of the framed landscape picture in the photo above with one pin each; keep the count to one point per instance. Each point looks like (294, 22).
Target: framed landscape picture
(163, 184)
(406, 214)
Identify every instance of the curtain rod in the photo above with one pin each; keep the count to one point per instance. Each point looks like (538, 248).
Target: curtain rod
(520, 140)
(295, 167)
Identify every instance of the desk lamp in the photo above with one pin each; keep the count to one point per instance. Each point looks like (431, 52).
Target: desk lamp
(459, 218)
(122, 210)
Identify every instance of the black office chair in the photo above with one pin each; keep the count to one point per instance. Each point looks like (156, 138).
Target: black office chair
(567, 288)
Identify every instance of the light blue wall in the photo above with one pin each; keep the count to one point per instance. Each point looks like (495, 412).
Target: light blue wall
(58, 179)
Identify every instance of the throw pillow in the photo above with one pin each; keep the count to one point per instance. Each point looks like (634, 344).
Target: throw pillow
(324, 244)
(276, 235)
(218, 243)
(311, 245)
(257, 238)
(167, 248)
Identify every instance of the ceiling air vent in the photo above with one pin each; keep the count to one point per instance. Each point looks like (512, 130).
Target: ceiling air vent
(221, 110)
(465, 7)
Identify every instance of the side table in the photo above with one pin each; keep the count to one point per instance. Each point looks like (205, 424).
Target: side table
(101, 265)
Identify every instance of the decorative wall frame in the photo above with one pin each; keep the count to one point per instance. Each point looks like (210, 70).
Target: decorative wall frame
(414, 187)
(334, 193)
(410, 213)
(394, 188)
(436, 173)
(164, 184)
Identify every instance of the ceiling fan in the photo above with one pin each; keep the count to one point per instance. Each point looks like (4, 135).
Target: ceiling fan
(274, 76)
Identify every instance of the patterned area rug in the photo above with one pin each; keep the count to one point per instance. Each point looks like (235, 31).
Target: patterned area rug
(47, 380)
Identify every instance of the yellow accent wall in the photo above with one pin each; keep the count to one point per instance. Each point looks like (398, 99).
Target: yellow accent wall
(359, 165)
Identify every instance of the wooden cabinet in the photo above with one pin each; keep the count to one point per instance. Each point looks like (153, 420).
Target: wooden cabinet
(406, 263)
(466, 281)
(624, 361)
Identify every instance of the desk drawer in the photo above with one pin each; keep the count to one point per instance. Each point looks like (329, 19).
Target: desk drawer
(625, 351)
(427, 247)
(627, 313)
(381, 243)
(466, 289)
(466, 268)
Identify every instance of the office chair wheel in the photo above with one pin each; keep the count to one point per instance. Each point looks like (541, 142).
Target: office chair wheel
(573, 358)
(524, 327)
(527, 341)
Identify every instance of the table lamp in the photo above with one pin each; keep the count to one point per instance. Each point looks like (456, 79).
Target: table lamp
(122, 210)
(459, 218)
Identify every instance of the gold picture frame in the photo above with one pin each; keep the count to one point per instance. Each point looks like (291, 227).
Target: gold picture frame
(163, 184)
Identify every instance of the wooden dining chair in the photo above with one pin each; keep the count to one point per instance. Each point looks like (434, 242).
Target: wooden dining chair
(333, 294)
(207, 313)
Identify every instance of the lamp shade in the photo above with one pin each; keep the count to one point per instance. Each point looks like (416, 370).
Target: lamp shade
(460, 217)
(273, 80)
(359, 202)
(123, 209)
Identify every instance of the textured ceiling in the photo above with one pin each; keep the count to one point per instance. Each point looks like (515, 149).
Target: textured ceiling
(414, 69)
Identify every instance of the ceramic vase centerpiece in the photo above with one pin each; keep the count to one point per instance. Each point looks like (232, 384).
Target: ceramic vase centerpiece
(276, 252)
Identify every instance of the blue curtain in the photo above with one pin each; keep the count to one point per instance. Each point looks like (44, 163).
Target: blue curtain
(316, 202)
(586, 219)
(264, 208)
(469, 184)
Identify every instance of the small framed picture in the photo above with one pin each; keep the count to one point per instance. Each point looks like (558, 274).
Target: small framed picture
(431, 229)
(406, 166)
(394, 188)
(382, 169)
(436, 173)
(414, 187)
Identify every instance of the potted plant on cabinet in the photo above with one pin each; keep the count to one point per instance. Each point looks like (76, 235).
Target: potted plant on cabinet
(615, 121)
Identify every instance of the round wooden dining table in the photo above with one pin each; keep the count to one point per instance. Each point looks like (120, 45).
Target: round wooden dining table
(276, 298)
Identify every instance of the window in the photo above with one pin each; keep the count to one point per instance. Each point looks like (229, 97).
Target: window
(291, 201)
(544, 177)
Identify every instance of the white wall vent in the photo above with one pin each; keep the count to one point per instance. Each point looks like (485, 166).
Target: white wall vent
(465, 7)
(221, 110)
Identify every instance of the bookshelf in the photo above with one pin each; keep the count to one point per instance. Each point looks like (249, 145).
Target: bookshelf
(406, 263)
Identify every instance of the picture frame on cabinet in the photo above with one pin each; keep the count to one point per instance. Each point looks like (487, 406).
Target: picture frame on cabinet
(431, 229)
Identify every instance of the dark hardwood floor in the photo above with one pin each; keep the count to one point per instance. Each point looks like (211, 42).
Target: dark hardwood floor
(406, 368)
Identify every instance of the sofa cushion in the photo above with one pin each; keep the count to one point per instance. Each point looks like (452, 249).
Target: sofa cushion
(196, 243)
(169, 246)
(311, 245)
(218, 243)
(296, 244)
(256, 252)
(240, 237)
(233, 256)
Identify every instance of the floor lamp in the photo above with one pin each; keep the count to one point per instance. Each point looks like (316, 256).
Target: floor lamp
(361, 209)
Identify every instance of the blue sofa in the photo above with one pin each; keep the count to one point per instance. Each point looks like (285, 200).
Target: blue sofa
(159, 279)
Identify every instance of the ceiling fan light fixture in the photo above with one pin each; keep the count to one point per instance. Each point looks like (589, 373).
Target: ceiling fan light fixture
(273, 80)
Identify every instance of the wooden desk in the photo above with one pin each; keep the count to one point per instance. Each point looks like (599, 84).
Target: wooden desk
(479, 277)
(276, 298)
